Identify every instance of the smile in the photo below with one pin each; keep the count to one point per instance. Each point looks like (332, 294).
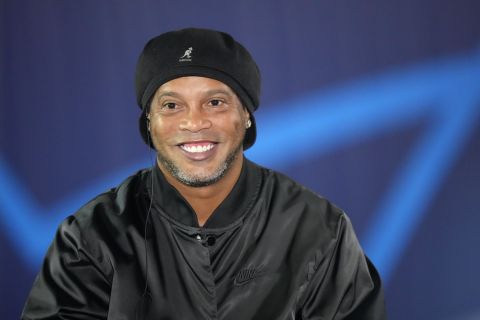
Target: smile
(197, 147)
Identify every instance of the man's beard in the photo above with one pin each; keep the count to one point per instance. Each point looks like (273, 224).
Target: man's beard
(193, 180)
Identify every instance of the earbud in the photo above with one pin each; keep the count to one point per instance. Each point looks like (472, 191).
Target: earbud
(248, 124)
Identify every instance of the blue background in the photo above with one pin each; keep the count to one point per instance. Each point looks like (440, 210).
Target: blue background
(373, 104)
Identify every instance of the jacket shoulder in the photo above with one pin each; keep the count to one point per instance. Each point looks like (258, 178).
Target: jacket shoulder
(288, 202)
(116, 199)
(111, 212)
(291, 193)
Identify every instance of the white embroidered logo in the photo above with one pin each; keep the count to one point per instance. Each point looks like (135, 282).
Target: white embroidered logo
(187, 56)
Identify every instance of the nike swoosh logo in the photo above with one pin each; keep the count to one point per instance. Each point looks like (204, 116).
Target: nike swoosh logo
(246, 275)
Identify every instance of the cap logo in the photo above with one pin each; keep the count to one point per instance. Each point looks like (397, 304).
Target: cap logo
(187, 56)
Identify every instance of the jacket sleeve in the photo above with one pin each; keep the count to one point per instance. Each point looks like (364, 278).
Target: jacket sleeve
(71, 283)
(346, 286)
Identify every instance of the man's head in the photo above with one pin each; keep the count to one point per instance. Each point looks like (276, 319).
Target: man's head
(197, 126)
(198, 90)
(197, 52)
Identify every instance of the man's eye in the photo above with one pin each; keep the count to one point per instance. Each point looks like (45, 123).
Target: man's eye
(216, 102)
(169, 106)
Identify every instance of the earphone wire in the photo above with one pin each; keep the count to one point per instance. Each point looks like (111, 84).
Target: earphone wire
(145, 290)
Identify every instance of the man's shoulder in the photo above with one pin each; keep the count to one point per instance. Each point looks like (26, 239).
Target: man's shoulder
(116, 206)
(286, 197)
(292, 191)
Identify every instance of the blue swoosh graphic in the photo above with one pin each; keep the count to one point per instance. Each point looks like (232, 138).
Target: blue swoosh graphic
(445, 91)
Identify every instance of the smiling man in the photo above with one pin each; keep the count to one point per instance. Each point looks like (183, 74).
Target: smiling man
(205, 233)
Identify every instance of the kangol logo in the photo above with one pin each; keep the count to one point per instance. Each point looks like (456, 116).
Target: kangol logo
(187, 56)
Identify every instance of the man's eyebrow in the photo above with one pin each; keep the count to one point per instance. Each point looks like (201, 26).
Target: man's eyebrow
(211, 92)
(167, 94)
(218, 91)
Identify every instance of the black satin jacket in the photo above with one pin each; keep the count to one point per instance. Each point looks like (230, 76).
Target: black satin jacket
(271, 250)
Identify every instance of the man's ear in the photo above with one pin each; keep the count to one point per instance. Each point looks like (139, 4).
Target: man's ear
(247, 113)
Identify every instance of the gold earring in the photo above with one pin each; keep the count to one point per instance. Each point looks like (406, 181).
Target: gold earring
(249, 124)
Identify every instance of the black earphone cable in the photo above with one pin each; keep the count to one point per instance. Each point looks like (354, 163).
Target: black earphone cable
(145, 290)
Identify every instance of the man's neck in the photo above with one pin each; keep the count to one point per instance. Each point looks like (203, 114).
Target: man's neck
(204, 200)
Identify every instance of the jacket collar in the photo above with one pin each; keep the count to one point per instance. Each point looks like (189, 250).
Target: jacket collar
(169, 201)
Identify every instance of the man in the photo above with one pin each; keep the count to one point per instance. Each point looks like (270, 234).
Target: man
(205, 233)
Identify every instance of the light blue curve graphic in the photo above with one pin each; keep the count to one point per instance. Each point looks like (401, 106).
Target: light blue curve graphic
(418, 181)
(30, 227)
(445, 91)
(345, 115)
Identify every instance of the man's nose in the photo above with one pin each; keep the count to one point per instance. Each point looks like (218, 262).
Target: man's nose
(195, 120)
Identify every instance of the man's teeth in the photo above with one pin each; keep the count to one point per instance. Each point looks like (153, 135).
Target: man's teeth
(195, 149)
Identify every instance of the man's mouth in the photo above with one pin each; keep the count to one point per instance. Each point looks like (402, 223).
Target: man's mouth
(197, 147)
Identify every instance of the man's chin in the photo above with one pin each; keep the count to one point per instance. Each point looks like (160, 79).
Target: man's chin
(199, 182)
(198, 173)
(194, 176)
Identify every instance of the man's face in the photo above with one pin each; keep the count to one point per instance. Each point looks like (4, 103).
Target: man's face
(197, 126)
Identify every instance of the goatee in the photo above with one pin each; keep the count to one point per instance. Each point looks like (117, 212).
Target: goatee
(192, 180)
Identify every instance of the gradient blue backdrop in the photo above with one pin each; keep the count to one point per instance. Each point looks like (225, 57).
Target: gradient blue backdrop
(373, 104)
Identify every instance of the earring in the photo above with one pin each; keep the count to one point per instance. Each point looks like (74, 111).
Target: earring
(148, 121)
(248, 124)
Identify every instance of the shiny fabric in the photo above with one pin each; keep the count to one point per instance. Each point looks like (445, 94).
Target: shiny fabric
(271, 250)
